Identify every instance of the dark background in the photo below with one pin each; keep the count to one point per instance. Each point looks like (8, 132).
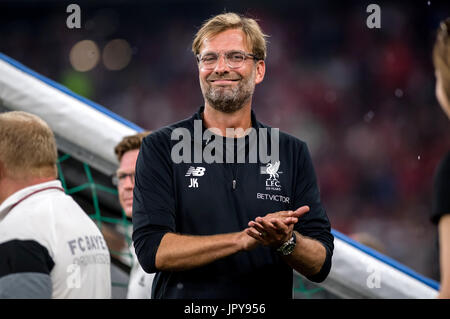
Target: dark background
(363, 99)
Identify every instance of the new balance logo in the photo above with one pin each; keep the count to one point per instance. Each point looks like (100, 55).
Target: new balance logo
(192, 171)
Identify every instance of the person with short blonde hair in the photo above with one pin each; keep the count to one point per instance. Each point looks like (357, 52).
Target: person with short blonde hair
(27, 146)
(49, 246)
(228, 230)
(441, 187)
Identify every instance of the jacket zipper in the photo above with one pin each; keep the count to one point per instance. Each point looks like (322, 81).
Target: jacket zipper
(234, 175)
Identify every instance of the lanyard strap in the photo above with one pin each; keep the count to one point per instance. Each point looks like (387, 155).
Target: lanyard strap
(35, 192)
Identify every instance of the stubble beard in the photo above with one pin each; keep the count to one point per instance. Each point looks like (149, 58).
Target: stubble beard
(229, 99)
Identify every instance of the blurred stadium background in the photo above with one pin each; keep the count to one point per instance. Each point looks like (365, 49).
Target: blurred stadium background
(363, 99)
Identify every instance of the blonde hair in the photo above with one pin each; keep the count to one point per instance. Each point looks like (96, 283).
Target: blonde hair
(222, 22)
(129, 143)
(441, 55)
(27, 146)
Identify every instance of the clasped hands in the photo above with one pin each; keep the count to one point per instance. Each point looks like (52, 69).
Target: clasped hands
(274, 229)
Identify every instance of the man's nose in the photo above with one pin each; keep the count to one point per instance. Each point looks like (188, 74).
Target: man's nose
(221, 66)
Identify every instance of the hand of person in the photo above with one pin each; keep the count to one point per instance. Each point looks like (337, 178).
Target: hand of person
(275, 229)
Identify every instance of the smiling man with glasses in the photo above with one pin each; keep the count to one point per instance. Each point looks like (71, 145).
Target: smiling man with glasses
(228, 77)
(222, 229)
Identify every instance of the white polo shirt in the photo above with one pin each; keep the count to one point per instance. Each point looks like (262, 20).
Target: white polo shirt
(50, 247)
(140, 284)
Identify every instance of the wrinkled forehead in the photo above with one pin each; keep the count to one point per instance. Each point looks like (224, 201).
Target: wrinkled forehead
(228, 40)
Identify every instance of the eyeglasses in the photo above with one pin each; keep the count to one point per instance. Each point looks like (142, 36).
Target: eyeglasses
(234, 59)
(119, 179)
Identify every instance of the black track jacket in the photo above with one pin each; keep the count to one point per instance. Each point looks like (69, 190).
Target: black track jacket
(217, 198)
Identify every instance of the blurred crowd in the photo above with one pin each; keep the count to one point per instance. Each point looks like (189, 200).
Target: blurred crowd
(363, 99)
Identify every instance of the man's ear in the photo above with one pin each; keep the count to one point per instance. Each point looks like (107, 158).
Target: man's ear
(260, 71)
